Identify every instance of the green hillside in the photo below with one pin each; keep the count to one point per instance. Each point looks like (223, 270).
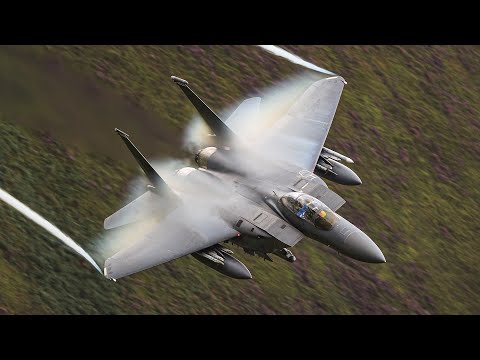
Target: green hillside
(409, 117)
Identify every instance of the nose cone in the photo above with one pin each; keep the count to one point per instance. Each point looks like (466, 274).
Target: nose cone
(359, 246)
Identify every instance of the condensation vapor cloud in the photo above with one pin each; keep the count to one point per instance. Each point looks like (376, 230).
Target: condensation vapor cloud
(196, 135)
(111, 241)
(52, 229)
(294, 58)
(202, 193)
(276, 100)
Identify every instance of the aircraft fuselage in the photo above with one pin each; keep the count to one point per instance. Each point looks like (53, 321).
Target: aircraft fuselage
(260, 208)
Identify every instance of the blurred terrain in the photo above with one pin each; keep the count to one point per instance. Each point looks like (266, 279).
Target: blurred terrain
(409, 117)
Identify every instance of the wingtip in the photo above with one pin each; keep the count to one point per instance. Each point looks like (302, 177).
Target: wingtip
(107, 270)
(336, 77)
(107, 223)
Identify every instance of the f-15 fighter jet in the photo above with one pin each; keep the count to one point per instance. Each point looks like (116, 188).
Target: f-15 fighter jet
(263, 195)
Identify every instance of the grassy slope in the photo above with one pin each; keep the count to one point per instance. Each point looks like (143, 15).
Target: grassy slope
(408, 116)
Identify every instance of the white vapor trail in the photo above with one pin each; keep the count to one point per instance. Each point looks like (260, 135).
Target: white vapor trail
(294, 58)
(32, 215)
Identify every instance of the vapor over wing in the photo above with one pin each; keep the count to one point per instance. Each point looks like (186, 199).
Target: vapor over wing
(184, 231)
(147, 205)
(298, 137)
(244, 116)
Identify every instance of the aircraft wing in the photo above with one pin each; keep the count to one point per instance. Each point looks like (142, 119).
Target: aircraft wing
(298, 137)
(184, 231)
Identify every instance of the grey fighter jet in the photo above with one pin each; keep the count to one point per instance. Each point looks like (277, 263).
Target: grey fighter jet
(262, 195)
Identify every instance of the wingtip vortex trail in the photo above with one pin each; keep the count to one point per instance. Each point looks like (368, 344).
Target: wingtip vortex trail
(52, 229)
(276, 50)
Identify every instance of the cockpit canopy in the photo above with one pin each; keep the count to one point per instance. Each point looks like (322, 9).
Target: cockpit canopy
(310, 209)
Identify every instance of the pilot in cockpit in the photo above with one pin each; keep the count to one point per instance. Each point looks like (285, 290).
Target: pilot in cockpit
(310, 209)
